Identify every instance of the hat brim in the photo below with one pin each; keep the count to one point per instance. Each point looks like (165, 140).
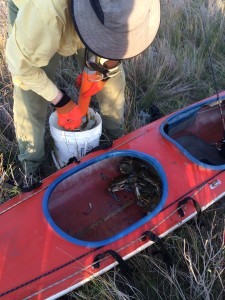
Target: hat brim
(110, 44)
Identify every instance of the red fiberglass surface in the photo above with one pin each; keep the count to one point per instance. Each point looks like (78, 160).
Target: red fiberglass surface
(36, 262)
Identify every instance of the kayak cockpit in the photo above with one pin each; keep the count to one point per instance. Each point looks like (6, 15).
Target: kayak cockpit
(199, 133)
(106, 198)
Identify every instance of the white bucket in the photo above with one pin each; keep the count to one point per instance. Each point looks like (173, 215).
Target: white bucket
(70, 144)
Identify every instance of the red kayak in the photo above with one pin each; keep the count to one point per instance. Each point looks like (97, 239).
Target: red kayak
(93, 215)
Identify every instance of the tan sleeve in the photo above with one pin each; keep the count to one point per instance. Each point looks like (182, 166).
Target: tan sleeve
(34, 40)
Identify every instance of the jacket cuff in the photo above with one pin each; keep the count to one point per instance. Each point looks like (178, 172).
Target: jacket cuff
(64, 100)
(68, 107)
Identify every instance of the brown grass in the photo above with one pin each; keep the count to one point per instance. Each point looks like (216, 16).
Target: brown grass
(174, 72)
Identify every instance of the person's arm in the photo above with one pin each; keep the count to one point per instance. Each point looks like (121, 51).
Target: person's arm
(34, 40)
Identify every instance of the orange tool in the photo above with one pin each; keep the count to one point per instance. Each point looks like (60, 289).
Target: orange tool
(89, 85)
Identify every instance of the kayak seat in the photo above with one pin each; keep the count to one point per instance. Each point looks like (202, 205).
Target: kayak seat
(200, 149)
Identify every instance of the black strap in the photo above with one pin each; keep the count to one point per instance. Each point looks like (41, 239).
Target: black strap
(195, 203)
(122, 264)
(165, 253)
(64, 100)
(98, 10)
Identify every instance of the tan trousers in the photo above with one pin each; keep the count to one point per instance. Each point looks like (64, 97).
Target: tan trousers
(30, 110)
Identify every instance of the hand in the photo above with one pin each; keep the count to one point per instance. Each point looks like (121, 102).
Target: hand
(69, 114)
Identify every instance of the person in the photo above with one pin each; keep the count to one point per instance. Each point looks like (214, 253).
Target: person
(41, 32)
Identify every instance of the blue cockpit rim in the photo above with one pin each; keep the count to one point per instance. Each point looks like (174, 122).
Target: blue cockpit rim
(132, 153)
(180, 115)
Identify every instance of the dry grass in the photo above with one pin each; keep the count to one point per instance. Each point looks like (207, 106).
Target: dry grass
(7, 137)
(3, 31)
(198, 271)
(174, 72)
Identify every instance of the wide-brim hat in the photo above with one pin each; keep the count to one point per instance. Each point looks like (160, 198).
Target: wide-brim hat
(116, 29)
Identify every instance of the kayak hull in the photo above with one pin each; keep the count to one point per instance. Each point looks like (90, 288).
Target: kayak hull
(53, 238)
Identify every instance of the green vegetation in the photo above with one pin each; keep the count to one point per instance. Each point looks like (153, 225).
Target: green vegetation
(173, 73)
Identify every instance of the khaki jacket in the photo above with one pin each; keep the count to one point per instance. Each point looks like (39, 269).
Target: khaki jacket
(42, 28)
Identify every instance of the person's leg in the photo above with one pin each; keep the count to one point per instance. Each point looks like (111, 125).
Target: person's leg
(30, 112)
(111, 102)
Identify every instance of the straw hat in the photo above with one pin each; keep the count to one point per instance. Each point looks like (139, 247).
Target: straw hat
(116, 29)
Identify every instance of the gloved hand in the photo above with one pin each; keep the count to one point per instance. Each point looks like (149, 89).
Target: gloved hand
(69, 114)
